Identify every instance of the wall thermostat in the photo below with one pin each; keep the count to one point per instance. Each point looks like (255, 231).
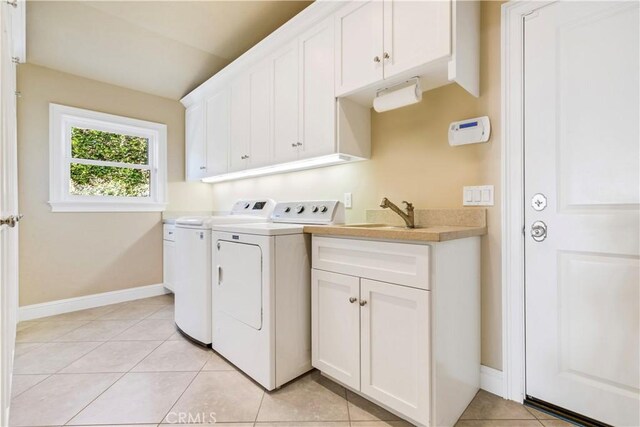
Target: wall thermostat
(470, 131)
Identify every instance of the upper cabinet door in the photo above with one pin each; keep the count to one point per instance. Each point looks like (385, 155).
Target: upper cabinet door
(286, 104)
(217, 135)
(359, 45)
(415, 33)
(317, 88)
(196, 158)
(335, 326)
(240, 131)
(395, 347)
(260, 115)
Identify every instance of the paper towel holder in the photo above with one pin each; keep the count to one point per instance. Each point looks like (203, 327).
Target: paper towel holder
(413, 80)
(399, 95)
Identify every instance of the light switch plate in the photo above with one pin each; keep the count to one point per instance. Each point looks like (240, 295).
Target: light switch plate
(347, 200)
(481, 195)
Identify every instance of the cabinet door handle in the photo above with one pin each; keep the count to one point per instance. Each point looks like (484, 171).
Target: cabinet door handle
(219, 275)
(202, 168)
(363, 302)
(376, 59)
(386, 55)
(299, 144)
(353, 299)
(294, 145)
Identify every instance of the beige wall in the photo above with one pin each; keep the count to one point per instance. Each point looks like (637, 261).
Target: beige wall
(64, 255)
(411, 160)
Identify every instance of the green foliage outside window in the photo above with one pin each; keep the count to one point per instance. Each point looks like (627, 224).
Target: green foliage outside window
(94, 180)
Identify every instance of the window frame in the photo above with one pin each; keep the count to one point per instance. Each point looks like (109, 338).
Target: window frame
(62, 119)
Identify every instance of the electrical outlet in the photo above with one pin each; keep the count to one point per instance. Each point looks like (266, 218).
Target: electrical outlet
(347, 200)
(477, 196)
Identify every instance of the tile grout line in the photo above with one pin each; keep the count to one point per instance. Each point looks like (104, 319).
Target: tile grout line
(121, 376)
(255, 420)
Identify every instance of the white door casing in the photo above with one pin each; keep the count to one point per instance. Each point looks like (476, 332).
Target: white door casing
(581, 152)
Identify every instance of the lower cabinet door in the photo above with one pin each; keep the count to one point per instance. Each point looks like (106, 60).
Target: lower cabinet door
(169, 264)
(335, 326)
(396, 366)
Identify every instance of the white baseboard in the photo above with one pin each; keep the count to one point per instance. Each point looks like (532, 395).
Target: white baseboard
(36, 311)
(491, 380)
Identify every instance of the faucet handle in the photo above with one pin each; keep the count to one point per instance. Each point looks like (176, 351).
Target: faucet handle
(384, 203)
(409, 205)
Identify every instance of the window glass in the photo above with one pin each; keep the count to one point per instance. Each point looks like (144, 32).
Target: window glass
(91, 144)
(92, 180)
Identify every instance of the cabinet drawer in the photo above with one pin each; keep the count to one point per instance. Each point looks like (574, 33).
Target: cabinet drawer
(400, 263)
(169, 233)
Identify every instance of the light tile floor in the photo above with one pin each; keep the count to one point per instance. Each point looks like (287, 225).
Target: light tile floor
(126, 364)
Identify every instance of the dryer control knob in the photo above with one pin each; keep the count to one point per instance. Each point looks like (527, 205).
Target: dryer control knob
(323, 209)
(314, 209)
(299, 209)
(287, 209)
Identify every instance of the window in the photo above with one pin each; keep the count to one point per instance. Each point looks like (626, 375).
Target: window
(100, 162)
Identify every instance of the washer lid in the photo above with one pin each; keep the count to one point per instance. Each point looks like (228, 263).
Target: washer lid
(261, 229)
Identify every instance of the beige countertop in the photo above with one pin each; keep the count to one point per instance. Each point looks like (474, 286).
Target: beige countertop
(432, 225)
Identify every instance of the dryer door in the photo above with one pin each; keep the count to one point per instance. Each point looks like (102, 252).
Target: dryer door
(240, 282)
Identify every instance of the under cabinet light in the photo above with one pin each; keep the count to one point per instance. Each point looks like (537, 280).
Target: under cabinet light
(316, 162)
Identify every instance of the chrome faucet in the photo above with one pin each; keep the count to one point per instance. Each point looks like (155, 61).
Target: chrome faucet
(407, 217)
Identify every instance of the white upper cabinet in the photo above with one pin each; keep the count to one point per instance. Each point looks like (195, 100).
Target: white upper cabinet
(359, 45)
(196, 154)
(260, 115)
(415, 33)
(381, 43)
(240, 116)
(317, 100)
(217, 133)
(286, 104)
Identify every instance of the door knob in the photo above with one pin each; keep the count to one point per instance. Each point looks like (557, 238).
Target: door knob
(11, 220)
(353, 299)
(539, 231)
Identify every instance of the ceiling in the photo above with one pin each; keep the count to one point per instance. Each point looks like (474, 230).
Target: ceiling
(165, 48)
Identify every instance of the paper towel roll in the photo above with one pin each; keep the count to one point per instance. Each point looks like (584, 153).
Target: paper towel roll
(398, 98)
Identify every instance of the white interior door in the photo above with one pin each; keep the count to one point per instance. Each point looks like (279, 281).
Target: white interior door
(8, 211)
(582, 157)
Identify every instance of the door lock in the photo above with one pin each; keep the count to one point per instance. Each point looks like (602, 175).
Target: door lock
(539, 231)
(539, 201)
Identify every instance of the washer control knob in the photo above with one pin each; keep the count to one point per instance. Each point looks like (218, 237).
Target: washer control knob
(246, 205)
(287, 209)
(323, 209)
(314, 209)
(299, 209)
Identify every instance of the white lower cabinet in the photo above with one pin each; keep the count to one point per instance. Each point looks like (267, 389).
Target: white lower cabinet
(169, 257)
(394, 347)
(373, 337)
(335, 328)
(409, 343)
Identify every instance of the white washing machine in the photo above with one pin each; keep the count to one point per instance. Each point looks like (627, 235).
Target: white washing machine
(193, 264)
(261, 291)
